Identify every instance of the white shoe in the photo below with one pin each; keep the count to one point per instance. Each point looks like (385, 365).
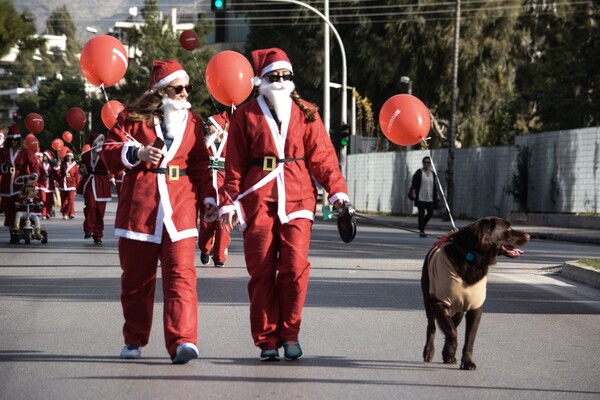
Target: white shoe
(131, 351)
(185, 352)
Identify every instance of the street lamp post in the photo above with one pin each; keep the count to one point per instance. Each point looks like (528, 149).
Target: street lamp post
(406, 80)
(344, 68)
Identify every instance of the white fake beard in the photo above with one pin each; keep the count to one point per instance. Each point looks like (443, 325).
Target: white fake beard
(279, 96)
(174, 112)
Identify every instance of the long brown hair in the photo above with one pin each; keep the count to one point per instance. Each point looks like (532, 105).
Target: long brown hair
(146, 107)
(309, 113)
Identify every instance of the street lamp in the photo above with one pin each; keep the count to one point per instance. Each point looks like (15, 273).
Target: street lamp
(406, 80)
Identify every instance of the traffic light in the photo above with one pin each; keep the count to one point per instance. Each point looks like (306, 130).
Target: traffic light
(218, 5)
(345, 135)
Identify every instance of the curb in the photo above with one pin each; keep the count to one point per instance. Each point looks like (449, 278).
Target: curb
(581, 273)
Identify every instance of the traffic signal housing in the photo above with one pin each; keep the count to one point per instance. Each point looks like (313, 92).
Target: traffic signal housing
(344, 135)
(218, 5)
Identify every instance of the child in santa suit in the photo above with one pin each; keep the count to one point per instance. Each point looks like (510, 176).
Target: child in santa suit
(29, 202)
(275, 142)
(95, 188)
(47, 185)
(68, 181)
(212, 236)
(157, 212)
(15, 161)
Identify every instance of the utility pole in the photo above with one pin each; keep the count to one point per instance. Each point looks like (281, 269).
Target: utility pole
(452, 135)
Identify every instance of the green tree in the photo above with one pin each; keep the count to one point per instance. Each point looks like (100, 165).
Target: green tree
(15, 28)
(60, 23)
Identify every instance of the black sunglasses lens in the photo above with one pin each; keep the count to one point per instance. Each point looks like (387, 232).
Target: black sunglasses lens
(179, 89)
(276, 78)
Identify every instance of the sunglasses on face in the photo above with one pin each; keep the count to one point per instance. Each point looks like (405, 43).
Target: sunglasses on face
(276, 78)
(178, 89)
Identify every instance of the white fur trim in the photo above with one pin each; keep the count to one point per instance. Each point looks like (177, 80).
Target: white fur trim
(169, 78)
(215, 124)
(276, 65)
(256, 80)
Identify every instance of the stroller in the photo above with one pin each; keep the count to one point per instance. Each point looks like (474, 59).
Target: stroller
(27, 215)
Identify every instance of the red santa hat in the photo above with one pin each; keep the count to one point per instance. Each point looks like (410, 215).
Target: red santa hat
(49, 154)
(14, 132)
(95, 138)
(267, 60)
(220, 121)
(165, 72)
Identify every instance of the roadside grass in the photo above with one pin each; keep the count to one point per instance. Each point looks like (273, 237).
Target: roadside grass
(594, 263)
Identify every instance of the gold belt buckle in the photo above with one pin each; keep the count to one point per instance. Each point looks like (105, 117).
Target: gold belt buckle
(173, 172)
(269, 163)
(12, 170)
(68, 175)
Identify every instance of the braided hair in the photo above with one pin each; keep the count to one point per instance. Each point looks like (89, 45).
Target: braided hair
(309, 113)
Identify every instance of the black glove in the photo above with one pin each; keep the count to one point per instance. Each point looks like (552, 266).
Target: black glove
(346, 223)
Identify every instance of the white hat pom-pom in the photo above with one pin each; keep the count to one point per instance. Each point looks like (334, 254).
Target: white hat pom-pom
(256, 80)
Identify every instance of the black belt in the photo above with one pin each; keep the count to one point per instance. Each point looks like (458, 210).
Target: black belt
(269, 163)
(173, 172)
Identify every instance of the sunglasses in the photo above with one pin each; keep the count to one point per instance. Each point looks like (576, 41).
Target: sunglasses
(276, 78)
(178, 89)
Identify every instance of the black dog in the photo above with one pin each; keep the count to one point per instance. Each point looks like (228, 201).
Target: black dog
(454, 282)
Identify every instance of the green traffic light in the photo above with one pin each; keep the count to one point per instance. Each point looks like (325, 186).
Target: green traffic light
(218, 3)
(344, 142)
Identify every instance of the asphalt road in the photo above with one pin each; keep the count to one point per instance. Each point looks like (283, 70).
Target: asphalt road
(363, 328)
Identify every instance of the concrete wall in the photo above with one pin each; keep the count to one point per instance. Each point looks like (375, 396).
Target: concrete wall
(562, 176)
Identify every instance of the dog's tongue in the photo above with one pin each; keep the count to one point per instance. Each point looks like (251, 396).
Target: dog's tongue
(511, 251)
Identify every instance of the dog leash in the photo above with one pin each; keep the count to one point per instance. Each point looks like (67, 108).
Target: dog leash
(387, 225)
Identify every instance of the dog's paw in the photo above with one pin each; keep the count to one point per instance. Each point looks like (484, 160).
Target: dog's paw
(428, 353)
(468, 366)
(450, 360)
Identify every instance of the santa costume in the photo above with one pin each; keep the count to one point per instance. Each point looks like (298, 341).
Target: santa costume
(271, 154)
(15, 161)
(47, 184)
(212, 236)
(67, 185)
(95, 188)
(157, 214)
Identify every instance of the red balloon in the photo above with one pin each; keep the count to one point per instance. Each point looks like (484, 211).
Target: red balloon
(32, 143)
(34, 123)
(188, 40)
(67, 136)
(110, 111)
(103, 60)
(86, 147)
(76, 118)
(229, 77)
(405, 120)
(57, 144)
(63, 152)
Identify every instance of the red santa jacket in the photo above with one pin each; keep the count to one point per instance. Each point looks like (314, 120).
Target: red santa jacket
(14, 163)
(96, 177)
(304, 147)
(69, 176)
(51, 174)
(150, 201)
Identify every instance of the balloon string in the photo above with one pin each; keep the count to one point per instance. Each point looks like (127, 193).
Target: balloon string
(127, 134)
(205, 84)
(440, 185)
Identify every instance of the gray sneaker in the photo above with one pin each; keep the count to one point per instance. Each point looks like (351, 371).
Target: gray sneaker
(131, 351)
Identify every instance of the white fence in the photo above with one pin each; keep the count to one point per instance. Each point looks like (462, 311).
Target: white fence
(562, 170)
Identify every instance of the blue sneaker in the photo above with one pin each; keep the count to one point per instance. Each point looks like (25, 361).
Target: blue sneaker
(269, 355)
(185, 352)
(131, 351)
(292, 350)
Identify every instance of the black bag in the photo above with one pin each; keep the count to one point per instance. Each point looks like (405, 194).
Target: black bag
(411, 197)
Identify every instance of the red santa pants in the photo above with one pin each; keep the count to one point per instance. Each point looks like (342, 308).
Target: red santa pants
(67, 199)
(277, 260)
(139, 262)
(222, 238)
(93, 212)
